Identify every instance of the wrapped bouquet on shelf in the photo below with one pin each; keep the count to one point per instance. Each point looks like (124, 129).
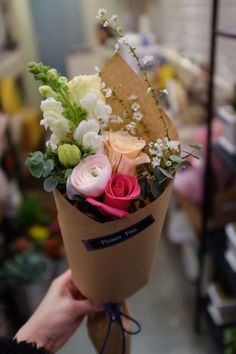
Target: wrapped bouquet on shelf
(110, 162)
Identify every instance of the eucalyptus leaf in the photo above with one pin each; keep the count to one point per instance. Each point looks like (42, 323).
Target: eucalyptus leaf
(156, 189)
(144, 190)
(48, 167)
(176, 158)
(50, 184)
(35, 168)
(166, 173)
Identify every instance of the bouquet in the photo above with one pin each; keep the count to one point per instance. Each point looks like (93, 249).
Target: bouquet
(110, 161)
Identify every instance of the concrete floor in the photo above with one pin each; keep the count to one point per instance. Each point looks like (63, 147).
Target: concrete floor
(164, 308)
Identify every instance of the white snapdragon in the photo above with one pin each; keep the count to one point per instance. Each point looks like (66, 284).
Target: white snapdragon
(106, 24)
(96, 108)
(147, 59)
(54, 120)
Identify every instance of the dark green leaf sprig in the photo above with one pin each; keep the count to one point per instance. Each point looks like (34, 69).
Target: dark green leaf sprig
(153, 187)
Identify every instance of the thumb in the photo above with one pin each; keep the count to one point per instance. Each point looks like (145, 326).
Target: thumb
(85, 307)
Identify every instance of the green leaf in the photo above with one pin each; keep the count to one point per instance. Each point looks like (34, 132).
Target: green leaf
(35, 168)
(50, 184)
(144, 190)
(196, 146)
(176, 159)
(48, 167)
(166, 173)
(156, 189)
(35, 163)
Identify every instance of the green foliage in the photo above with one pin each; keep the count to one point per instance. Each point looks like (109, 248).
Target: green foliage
(31, 212)
(144, 190)
(50, 184)
(23, 269)
(230, 340)
(168, 173)
(35, 163)
(196, 146)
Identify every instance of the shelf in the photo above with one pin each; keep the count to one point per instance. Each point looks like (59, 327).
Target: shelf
(215, 331)
(218, 246)
(231, 34)
(228, 158)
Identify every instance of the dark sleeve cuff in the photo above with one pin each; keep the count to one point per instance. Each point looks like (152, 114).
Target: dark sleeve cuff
(11, 346)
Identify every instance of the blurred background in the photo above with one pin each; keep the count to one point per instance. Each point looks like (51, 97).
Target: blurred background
(189, 306)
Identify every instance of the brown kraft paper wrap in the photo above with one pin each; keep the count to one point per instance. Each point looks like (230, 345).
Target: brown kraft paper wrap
(121, 261)
(97, 329)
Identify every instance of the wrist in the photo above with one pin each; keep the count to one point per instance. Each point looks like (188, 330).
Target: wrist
(28, 334)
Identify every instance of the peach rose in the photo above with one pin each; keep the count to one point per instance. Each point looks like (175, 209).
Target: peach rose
(124, 151)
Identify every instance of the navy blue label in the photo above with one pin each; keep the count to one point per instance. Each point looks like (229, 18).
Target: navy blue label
(98, 243)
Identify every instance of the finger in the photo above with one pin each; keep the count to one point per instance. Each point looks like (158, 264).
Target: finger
(85, 307)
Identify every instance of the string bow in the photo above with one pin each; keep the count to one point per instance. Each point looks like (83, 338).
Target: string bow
(116, 316)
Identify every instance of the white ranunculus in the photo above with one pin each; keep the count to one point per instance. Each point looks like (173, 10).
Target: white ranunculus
(93, 141)
(96, 108)
(80, 85)
(53, 118)
(89, 178)
(90, 125)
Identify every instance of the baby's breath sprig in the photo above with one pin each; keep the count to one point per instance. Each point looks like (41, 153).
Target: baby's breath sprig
(118, 31)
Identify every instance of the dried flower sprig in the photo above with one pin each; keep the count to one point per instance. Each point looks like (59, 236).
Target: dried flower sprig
(118, 31)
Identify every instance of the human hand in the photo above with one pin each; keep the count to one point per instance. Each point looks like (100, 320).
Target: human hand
(58, 316)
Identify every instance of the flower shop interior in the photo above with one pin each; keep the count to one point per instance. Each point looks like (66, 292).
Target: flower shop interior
(189, 303)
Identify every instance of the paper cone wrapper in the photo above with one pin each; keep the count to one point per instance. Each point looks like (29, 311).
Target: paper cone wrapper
(97, 326)
(111, 261)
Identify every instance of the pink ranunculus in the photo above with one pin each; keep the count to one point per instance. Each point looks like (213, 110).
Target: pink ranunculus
(120, 192)
(90, 177)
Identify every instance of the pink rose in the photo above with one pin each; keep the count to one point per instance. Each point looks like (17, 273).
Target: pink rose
(120, 192)
(90, 177)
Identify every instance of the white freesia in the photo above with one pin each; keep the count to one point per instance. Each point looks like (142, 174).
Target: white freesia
(89, 178)
(54, 120)
(96, 108)
(93, 141)
(84, 127)
(81, 85)
(87, 135)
